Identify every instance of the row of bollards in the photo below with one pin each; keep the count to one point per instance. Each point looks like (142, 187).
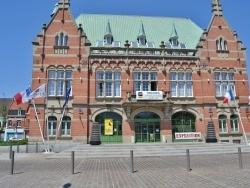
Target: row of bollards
(188, 159)
(26, 150)
(12, 154)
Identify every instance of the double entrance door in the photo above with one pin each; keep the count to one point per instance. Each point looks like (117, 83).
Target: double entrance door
(147, 130)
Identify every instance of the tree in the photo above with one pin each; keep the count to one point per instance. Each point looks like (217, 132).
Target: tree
(4, 112)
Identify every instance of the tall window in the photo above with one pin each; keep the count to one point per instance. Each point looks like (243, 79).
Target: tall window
(59, 82)
(221, 44)
(181, 84)
(52, 125)
(223, 124)
(145, 81)
(61, 40)
(18, 123)
(223, 82)
(234, 120)
(66, 126)
(108, 84)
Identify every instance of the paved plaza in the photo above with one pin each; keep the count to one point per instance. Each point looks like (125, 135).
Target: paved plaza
(35, 170)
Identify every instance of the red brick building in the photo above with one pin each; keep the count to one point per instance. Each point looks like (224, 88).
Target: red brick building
(143, 79)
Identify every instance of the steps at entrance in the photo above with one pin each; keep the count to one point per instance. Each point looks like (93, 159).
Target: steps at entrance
(150, 150)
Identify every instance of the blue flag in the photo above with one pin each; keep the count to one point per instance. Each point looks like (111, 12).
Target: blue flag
(67, 97)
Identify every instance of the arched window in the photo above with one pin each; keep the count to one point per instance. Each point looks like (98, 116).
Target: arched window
(61, 39)
(66, 40)
(225, 45)
(66, 126)
(52, 125)
(217, 45)
(223, 124)
(221, 44)
(57, 41)
(234, 120)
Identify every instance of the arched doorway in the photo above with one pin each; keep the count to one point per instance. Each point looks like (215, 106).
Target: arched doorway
(147, 127)
(183, 122)
(110, 127)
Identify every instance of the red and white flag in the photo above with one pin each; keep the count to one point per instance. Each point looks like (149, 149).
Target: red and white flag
(22, 96)
(228, 96)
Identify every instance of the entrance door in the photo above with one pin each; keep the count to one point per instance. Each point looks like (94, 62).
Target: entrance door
(147, 131)
(147, 127)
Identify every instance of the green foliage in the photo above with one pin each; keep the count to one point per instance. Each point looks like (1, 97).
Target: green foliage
(8, 143)
(3, 113)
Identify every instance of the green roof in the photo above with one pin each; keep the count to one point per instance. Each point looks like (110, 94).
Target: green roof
(126, 27)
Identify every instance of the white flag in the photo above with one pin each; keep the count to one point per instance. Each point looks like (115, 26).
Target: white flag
(38, 93)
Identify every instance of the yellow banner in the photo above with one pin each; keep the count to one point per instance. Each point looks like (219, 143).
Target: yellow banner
(108, 126)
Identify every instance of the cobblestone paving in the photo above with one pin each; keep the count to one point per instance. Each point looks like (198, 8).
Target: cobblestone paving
(208, 171)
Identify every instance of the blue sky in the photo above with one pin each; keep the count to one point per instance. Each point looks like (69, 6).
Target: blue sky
(22, 20)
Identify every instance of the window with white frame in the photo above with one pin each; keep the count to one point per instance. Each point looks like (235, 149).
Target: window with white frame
(18, 123)
(223, 124)
(52, 121)
(10, 123)
(108, 83)
(234, 120)
(223, 82)
(59, 82)
(181, 84)
(66, 126)
(145, 81)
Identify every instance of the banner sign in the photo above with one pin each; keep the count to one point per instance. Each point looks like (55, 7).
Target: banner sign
(149, 95)
(188, 135)
(108, 124)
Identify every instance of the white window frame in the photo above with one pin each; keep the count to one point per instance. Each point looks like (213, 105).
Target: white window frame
(108, 83)
(223, 84)
(223, 128)
(54, 79)
(145, 81)
(181, 84)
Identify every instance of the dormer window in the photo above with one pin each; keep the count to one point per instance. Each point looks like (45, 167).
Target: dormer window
(19, 112)
(175, 42)
(108, 40)
(142, 41)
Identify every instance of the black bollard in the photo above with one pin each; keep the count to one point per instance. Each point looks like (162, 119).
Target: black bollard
(188, 160)
(36, 147)
(240, 158)
(12, 162)
(131, 161)
(10, 151)
(72, 161)
(27, 148)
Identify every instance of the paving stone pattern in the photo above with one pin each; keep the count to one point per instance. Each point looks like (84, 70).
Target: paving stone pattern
(208, 171)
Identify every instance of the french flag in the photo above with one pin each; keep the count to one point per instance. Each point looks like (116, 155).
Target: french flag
(228, 96)
(22, 97)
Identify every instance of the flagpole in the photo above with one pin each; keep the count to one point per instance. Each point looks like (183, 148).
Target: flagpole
(39, 124)
(47, 120)
(57, 131)
(244, 133)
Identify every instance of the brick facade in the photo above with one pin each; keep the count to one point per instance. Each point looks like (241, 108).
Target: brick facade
(84, 107)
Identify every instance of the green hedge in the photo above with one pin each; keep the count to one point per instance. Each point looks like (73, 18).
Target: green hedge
(8, 143)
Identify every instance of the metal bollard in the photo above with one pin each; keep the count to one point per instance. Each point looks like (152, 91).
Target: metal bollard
(10, 150)
(27, 148)
(132, 161)
(188, 160)
(240, 158)
(36, 147)
(72, 161)
(12, 162)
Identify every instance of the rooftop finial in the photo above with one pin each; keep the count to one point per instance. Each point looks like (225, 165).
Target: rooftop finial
(216, 8)
(108, 29)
